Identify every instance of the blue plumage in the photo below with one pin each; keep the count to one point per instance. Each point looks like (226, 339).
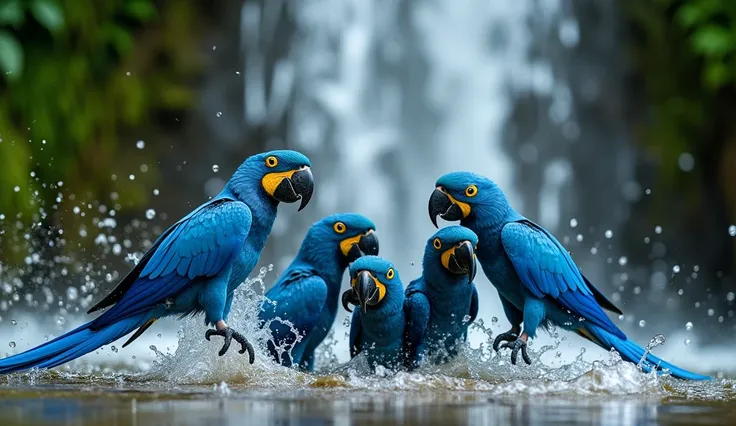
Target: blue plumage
(307, 293)
(194, 266)
(443, 302)
(378, 323)
(536, 278)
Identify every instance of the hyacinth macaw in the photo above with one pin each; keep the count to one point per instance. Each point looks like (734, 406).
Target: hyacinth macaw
(307, 294)
(194, 266)
(537, 280)
(443, 302)
(377, 326)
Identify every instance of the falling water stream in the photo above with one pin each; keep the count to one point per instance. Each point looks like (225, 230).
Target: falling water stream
(384, 96)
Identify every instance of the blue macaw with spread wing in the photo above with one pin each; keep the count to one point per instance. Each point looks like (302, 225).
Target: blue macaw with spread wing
(307, 294)
(378, 324)
(537, 280)
(194, 266)
(443, 302)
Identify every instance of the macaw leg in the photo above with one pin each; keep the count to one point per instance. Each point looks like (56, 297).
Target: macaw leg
(214, 300)
(534, 312)
(515, 316)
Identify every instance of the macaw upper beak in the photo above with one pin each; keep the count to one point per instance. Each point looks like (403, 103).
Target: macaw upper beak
(445, 206)
(460, 260)
(360, 245)
(290, 186)
(366, 291)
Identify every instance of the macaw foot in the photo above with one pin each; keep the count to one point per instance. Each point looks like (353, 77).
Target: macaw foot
(229, 334)
(516, 346)
(508, 336)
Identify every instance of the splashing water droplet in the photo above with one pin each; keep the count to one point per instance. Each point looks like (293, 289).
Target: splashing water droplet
(150, 214)
(657, 340)
(623, 260)
(114, 349)
(494, 320)
(676, 269)
(466, 319)
(609, 233)
(687, 342)
(155, 192)
(573, 223)
(169, 303)
(219, 114)
(140, 144)
(215, 168)
(14, 322)
(732, 230)
(17, 188)
(688, 326)
(60, 320)
(11, 344)
(642, 323)
(658, 229)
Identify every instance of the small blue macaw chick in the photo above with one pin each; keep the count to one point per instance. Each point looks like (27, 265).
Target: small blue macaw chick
(537, 280)
(443, 302)
(193, 267)
(307, 293)
(377, 327)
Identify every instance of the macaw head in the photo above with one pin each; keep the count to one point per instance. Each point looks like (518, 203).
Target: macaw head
(466, 196)
(343, 236)
(373, 281)
(278, 176)
(450, 252)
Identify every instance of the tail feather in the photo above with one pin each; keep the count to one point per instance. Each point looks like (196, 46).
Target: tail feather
(80, 341)
(632, 352)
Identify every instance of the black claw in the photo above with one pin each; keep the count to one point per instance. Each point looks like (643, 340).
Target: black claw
(508, 336)
(229, 334)
(515, 346)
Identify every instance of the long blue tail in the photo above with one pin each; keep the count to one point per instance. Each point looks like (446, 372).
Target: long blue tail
(71, 345)
(632, 352)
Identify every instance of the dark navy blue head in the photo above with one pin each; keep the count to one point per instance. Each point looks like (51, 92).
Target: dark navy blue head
(450, 255)
(374, 283)
(338, 240)
(275, 176)
(467, 197)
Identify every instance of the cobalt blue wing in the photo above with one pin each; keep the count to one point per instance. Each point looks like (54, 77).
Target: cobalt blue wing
(546, 270)
(356, 334)
(202, 245)
(416, 311)
(298, 297)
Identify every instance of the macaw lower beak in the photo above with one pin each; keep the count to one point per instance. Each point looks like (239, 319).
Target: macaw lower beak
(365, 291)
(445, 206)
(290, 186)
(460, 260)
(360, 245)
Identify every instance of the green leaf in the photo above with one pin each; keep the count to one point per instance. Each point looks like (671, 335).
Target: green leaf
(11, 56)
(48, 14)
(142, 10)
(712, 40)
(717, 75)
(695, 12)
(11, 13)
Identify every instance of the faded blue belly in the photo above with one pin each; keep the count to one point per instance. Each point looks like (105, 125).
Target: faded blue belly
(447, 323)
(499, 270)
(383, 339)
(244, 264)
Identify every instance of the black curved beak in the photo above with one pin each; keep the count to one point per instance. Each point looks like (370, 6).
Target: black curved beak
(366, 290)
(441, 205)
(366, 246)
(462, 260)
(349, 298)
(298, 187)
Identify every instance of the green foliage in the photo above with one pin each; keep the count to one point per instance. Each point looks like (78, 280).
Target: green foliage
(81, 81)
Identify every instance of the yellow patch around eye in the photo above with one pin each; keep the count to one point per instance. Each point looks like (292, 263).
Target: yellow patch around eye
(272, 161)
(437, 243)
(348, 243)
(471, 191)
(271, 181)
(339, 227)
(381, 290)
(445, 258)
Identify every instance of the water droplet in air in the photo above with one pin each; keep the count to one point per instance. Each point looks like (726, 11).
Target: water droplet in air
(688, 326)
(657, 340)
(14, 322)
(219, 114)
(642, 323)
(658, 229)
(150, 214)
(573, 223)
(60, 320)
(11, 344)
(155, 192)
(72, 293)
(579, 238)
(676, 269)
(140, 144)
(711, 312)
(687, 342)
(346, 322)
(17, 188)
(609, 233)
(153, 348)
(131, 177)
(730, 296)
(494, 320)
(466, 319)
(215, 168)
(114, 349)
(732, 230)
(169, 303)
(623, 260)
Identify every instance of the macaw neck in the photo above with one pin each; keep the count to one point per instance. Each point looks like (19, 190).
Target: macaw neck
(440, 281)
(263, 212)
(490, 217)
(392, 304)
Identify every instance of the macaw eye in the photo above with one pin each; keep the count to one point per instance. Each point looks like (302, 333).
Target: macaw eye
(272, 161)
(339, 227)
(390, 274)
(437, 243)
(471, 191)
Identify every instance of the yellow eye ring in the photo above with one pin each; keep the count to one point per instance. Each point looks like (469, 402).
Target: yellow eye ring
(272, 161)
(390, 274)
(339, 227)
(437, 243)
(471, 191)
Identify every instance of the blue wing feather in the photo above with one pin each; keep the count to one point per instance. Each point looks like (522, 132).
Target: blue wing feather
(546, 270)
(416, 310)
(217, 230)
(355, 334)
